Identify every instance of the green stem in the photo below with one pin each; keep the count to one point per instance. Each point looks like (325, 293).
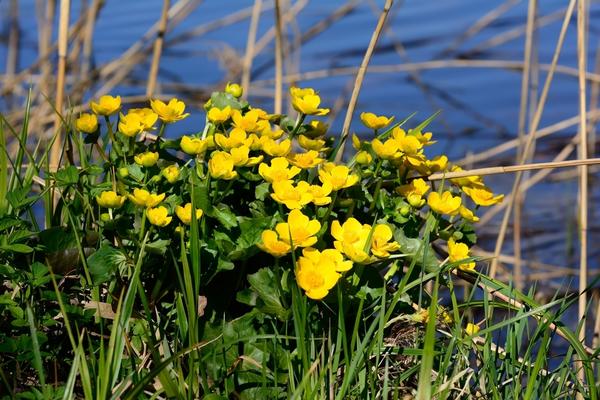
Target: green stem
(299, 122)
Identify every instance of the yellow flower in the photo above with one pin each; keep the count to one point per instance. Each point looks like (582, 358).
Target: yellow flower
(272, 245)
(237, 137)
(143, 198)
(414, 191)
(274, 149)
(146, 159)
(417, 186)
(311, 144)
(264, 129)
(472, 329)
(110, 199)
(380, 241)
(185, 213)
(240, 158)
(299, 230)
(294, 197)
(407, 144)
(309, 159)
(444, 204)
(363, 157)
(130, 124)
(254, 142)
(387, 150)
(220, 166)
(106, 105)
(278, 171)
(356, 143)
(306, 101)
(458, 252)
(320, 194)
(147, 117)
(351, 239)
(159, 216)
(428, 167)
(170, 112)
(375, 122)
(193, 146)
(171, 173)
(338, 176)
(218, 116)
(482, 195)
(87, 123)
(471, 181)
(247, 122)
(315, 274)
(424, 138)
(468, 214)
(234, 89)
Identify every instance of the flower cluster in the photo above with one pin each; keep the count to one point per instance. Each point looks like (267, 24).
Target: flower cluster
(318, 218)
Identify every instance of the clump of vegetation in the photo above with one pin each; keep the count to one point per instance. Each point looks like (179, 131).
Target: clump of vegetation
(244, 261)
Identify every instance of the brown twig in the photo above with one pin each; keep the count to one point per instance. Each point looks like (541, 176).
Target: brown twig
(249, 56)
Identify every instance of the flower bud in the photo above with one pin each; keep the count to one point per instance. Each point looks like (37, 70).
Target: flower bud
(105, 217)
(234, 89)
(123, 172)
(404, 211)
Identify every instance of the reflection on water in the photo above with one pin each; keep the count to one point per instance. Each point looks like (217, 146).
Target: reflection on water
(480, 103)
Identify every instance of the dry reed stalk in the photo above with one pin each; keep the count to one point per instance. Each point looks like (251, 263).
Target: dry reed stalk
(531, 136)
(158, 45)
(88, 34)
(583, 177)
(249, 56)
(63, 29)
(535, 179)
(265, 39)
(426, 65)
(12, 58)
(512, 168)
(360, 75)
(520, 195)
(414, 75)
(117, 70)
(515, 303)
(513, 33)
(503, 147)
(44, 38)
(278, 59)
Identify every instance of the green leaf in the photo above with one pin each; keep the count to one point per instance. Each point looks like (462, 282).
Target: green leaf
(265, 284)
(412, 248)
(67, 176)
(225, 216)
(251, 229)
(158, 247)
(104, 262)
(16, 248)
(135, 171)
(262, 191)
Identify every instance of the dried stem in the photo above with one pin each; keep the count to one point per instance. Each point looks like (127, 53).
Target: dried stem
(531, 136)
(158, 44)
(249, 57)
(63, 29)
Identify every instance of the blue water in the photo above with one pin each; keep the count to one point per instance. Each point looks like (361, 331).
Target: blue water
(480, 105)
